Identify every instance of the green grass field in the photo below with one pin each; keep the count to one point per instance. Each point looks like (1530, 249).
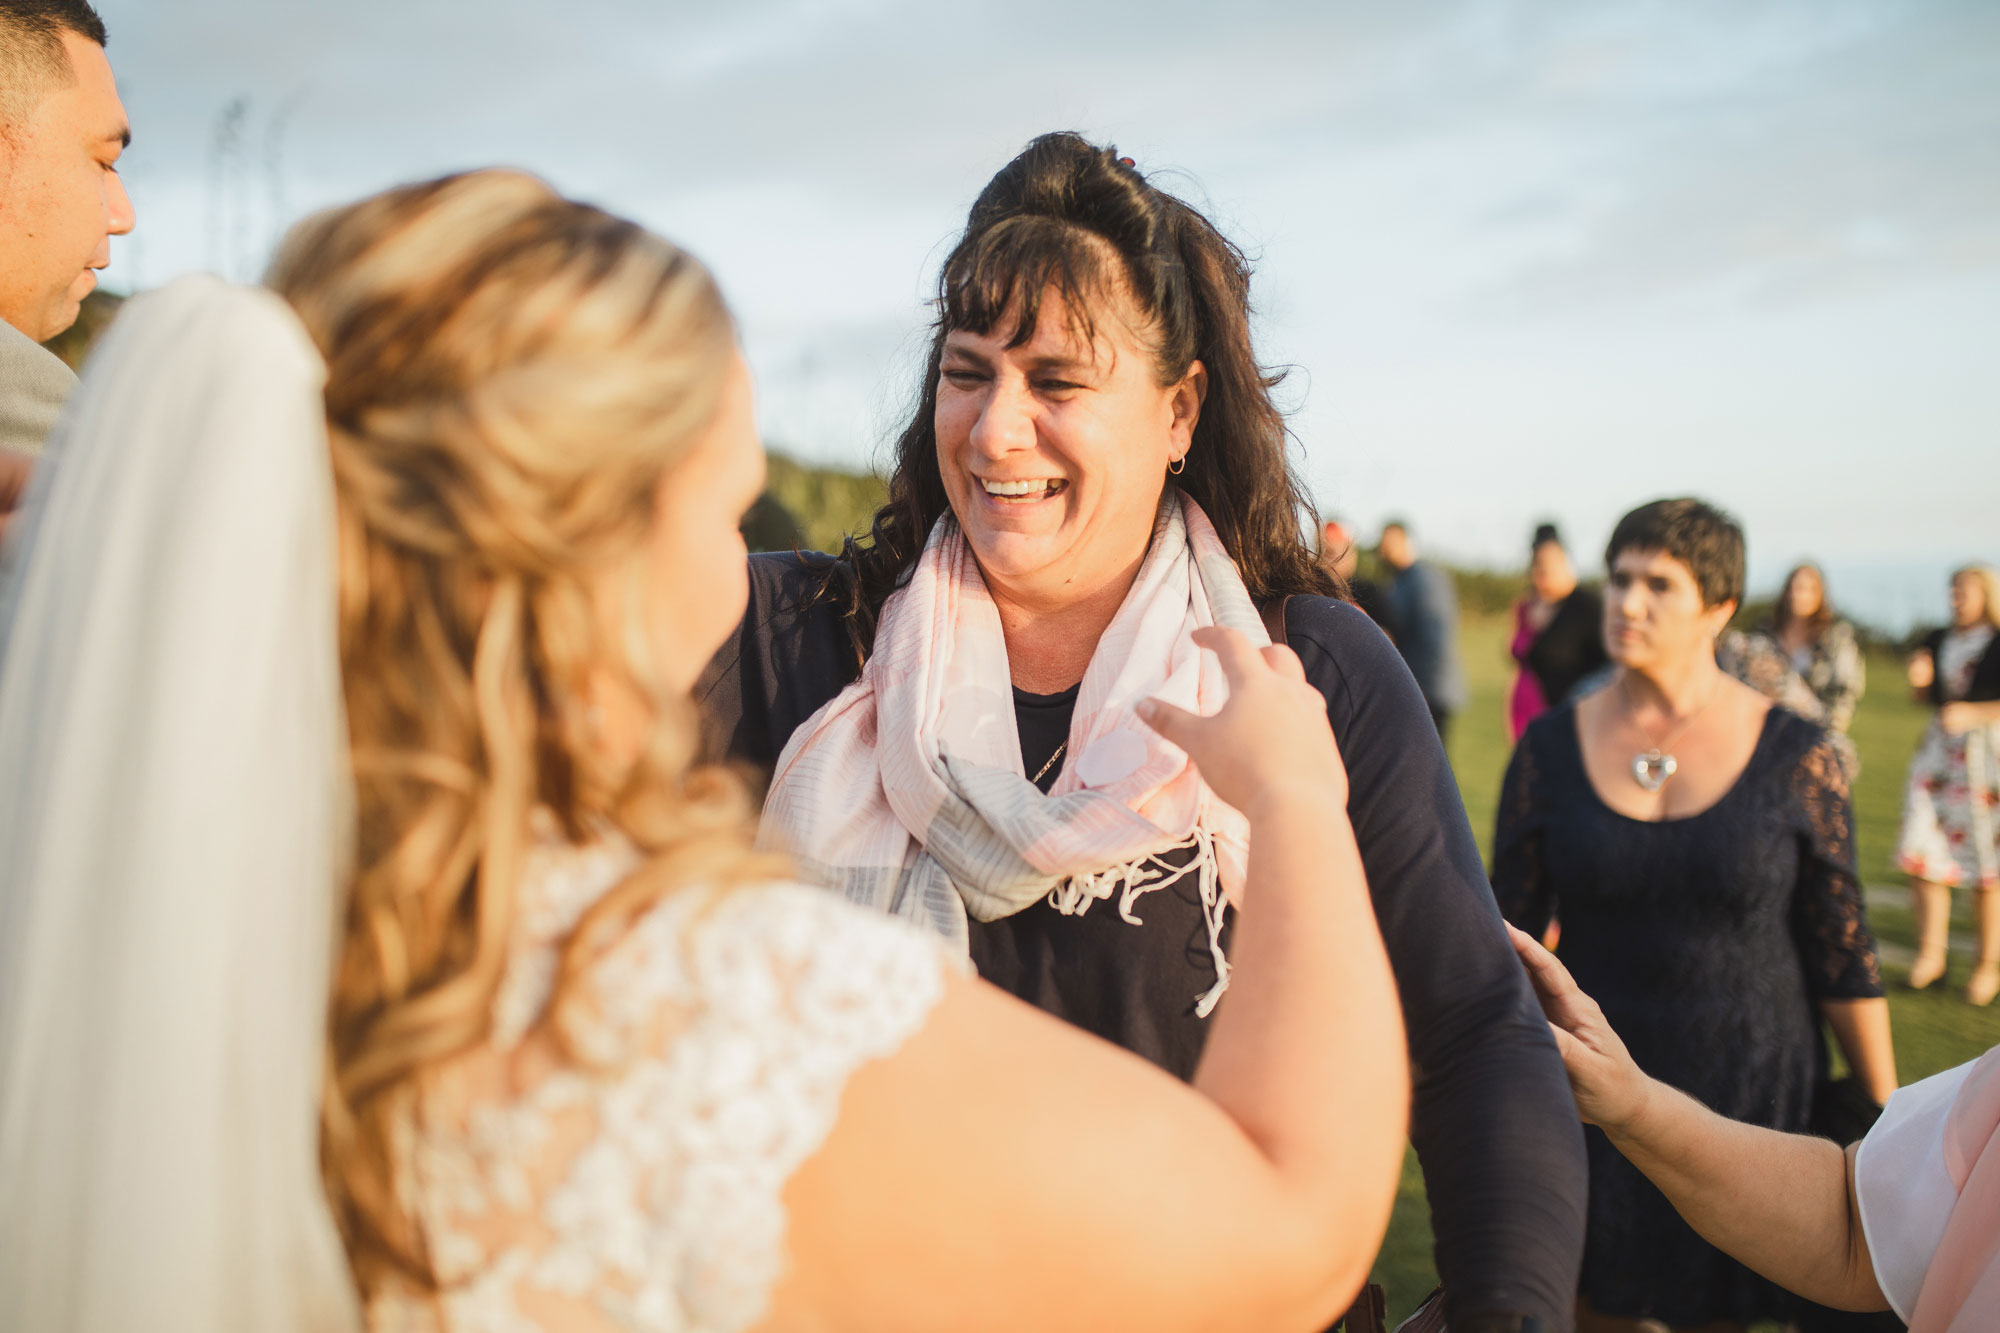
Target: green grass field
(1934, 1030)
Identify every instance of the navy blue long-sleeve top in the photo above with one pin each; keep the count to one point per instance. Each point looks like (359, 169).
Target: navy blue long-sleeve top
(1492, 1119)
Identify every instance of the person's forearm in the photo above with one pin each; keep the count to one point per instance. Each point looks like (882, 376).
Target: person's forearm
(1862, 1029)
(1779, 1203)
(1307, 1051)
(1981, 714)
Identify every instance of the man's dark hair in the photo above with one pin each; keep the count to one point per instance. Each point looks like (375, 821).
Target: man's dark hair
(1705, 539)
(32, 59)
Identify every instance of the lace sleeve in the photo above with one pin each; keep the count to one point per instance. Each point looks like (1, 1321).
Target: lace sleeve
(1830, 920)
(1846, 676)
(643, 1190)
(1519, 882)
(795, 989)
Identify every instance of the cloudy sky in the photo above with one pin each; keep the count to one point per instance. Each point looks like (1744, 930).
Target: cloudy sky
(1539, 259)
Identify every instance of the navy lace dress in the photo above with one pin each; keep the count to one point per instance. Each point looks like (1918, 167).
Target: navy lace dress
(1709, 942)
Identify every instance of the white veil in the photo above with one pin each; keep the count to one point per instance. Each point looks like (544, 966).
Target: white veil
(174, 815)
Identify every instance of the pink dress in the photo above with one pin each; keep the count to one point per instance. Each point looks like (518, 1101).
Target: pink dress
(1927, 1179)
(1526, 703)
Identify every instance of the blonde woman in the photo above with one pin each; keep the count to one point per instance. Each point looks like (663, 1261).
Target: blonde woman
(512, 1030)
(1951, 805)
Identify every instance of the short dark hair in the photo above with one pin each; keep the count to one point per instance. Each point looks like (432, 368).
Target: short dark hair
(32, 59)
(1396, 525)
(1705, 539)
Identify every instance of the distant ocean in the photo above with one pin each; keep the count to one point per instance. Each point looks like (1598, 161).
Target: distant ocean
(1893, 596)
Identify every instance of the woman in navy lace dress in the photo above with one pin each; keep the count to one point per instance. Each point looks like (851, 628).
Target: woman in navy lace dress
(1697, 845)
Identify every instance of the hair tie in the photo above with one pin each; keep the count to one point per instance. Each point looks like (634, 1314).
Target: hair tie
(1127, 162)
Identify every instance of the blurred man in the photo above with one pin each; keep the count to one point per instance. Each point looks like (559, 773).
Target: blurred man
(1423, 606)
(1341, 555)
(62, 129)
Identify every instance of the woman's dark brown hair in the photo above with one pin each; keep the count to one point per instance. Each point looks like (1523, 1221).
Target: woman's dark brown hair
(1822, 616)
(1069, 217)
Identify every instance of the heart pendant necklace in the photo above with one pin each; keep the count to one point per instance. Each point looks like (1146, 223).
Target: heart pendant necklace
(1652, 767)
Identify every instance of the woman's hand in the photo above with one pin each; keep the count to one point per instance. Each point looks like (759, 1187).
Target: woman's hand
(1270, 742)
(1958, 718)
(1922, 670)
(1610, 1089)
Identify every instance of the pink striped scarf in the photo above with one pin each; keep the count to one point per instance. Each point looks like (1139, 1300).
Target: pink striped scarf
(907, 791)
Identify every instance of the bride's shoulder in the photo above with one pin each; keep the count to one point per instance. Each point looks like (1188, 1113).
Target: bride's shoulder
(750, 952)
(785, 947)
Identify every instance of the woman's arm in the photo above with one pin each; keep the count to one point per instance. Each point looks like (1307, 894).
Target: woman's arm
(1922, 673)
(1862, 1029)
(1782, 1204)
(1961, 717)
(1005, 1170)
(1849, 680)
(1830, 922)
(1519, 884)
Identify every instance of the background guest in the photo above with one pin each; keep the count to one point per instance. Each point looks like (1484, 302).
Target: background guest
(1558, 633)
(1804, 658)
(1340, 553)
(62, 129)
(1951, 804)
(1423, 615)
(1819, 645)
(1697, 845)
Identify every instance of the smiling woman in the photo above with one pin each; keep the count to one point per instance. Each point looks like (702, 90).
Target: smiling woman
(1095, 481)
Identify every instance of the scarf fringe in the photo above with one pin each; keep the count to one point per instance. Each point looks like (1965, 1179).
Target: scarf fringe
(1147, 873)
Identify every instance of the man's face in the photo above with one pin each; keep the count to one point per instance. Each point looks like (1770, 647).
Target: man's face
(61, 201)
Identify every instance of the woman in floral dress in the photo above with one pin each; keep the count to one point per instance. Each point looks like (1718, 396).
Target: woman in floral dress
(1951, 807)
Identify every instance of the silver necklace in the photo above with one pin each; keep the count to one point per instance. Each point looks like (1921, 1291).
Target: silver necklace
(1043, 770)
(1651, 768)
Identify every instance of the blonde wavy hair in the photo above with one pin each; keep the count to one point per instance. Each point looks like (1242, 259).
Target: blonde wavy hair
(1988, 578)
(510, 375)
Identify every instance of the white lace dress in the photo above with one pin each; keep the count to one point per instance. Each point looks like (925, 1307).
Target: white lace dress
(647, 1196)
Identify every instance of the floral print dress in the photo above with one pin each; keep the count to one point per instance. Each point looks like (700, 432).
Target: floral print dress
(1951, 805)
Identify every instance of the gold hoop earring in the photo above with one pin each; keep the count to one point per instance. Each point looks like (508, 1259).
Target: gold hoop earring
(1178, 466)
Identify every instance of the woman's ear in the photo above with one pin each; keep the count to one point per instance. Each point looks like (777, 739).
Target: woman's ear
(1715, 619)
(1186, 401)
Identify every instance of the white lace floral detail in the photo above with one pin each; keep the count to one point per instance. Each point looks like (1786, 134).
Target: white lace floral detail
(649, 1197)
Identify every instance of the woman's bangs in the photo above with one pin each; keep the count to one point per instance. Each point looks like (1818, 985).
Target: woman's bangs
(1010, 270)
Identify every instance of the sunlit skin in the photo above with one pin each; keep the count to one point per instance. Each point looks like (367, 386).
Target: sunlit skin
(1398, 549)
(1552, 578)
(1091, 430)
(693, 568)
(61, 200)
(1662, 637)
(1806, 594)
(1338, 551)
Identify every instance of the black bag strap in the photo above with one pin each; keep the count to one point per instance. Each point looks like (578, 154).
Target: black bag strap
(1274, 618)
